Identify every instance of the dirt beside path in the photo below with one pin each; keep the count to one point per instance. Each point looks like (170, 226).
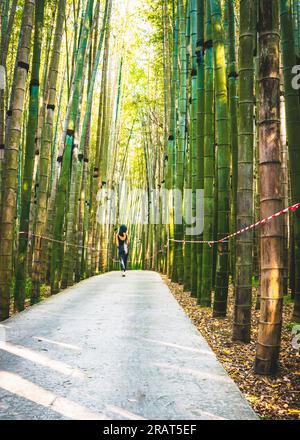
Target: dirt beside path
(271, 397)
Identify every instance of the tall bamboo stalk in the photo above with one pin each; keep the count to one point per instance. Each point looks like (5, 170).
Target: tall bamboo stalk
(188, 152)
(172, 137)
(193, 140)
(232, 75)
(244, 247)
(76, 167)
(200, 126)
(11, 161)
(30, 149)
(180, 153)
(223, 163)
(292, 108)
(66, 157)
(285, 187)
(46, 144)
(204, 299)
(6, 32)
(270, 322)
(101, 146)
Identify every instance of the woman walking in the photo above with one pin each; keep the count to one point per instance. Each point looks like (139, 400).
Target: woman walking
(122, 241)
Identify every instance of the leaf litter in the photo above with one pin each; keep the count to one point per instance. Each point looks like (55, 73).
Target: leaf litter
(272, 397)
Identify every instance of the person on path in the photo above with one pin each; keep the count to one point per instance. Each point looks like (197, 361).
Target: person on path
(122, 241)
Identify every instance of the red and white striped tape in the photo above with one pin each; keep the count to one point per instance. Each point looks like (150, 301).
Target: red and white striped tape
(42, 237)
(292, 208)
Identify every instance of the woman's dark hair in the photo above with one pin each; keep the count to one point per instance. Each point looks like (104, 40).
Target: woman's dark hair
(123, 230)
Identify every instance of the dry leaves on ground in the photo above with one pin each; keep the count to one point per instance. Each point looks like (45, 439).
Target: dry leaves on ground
(276, 397)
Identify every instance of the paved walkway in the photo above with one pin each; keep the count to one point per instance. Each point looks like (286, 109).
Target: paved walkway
(112, 348)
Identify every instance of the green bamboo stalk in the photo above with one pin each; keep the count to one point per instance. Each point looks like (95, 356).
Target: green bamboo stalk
(167, 102)
(57, 250)
(204, 299)
(103, 164)
(245, 214)
(67, 276)
(21, 269)
(70, 214)
(292, 107)
(64, 179)
(200, 126)
(99, 156)
(285, 185)
(295, 25)
(80, 270)
(180, 153)
(298, 29)
(188, 152)
(11, 161)
(6, 33)
(222, 273)
(172, 138)
(167, 120)
(46, 143)
(52, 186)
(193, 140)
(233, 118)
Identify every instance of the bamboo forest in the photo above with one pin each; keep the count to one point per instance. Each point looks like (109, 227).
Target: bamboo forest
(176, 125)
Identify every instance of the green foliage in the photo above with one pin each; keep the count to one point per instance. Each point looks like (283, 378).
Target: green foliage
(288, 300)
(28, 288)
(255, 282)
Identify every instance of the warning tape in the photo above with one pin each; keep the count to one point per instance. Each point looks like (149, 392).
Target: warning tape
(210, 243)
(292, 208)
(71, 245)
(30, 234)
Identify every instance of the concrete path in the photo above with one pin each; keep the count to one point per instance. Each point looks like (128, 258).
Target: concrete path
(112, 348)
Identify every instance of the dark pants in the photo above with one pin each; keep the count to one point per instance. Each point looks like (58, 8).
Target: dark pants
(123, 259)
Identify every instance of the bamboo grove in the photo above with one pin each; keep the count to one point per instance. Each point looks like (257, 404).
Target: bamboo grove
(201, 95)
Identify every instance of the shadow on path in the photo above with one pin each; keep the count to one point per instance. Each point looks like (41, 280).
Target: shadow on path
(112, 348)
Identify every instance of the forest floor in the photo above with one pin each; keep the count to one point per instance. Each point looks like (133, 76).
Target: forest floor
(276, 397)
